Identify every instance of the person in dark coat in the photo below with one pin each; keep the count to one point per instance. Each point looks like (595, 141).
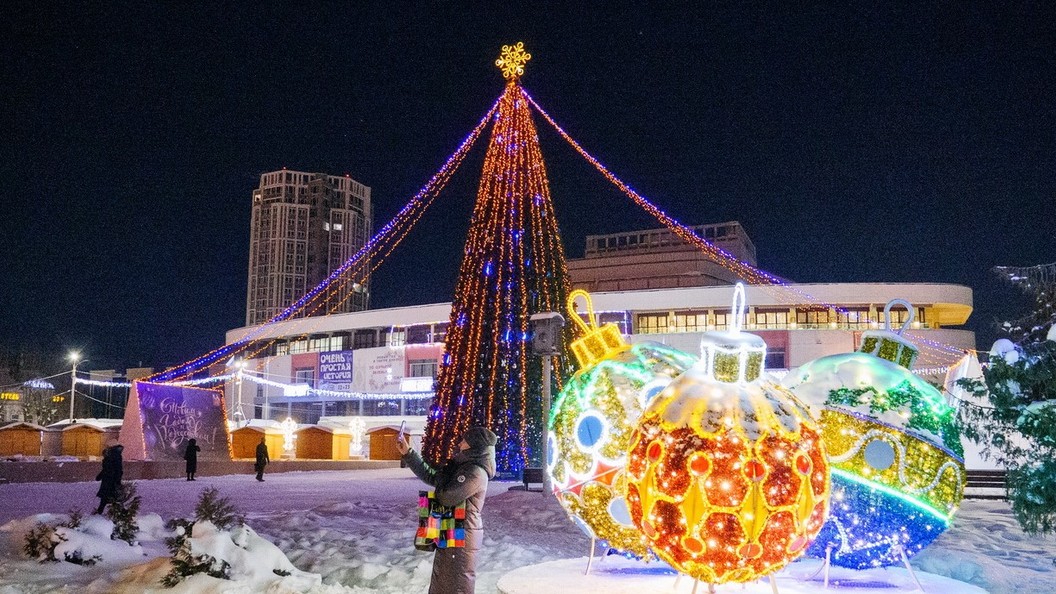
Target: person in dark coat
(262, 459)
(464, 478)
(110, 476)
(191, 456)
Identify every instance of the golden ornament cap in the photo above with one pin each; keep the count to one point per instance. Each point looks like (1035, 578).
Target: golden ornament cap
(595, 343)
(733, 356)
(889, 345)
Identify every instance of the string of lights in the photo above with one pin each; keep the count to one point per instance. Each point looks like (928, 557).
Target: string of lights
(399, 226)
(744, 270)
(514, 265)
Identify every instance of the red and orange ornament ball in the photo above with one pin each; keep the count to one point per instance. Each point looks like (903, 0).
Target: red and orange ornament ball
(727, 475)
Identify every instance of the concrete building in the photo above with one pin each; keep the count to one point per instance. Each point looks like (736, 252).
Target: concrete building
(381, 363)
(658, 259)
(303, 227)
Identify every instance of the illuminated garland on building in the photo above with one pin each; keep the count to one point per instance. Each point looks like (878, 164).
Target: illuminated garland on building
(514, 266)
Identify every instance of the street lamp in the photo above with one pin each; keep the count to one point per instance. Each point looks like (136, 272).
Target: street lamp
(74, 356)
(240, 365)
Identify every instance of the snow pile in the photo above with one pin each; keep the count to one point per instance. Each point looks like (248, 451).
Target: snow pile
(354, 530)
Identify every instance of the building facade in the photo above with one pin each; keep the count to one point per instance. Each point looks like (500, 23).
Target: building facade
(658, 259)
(383, 361)
(303, 227)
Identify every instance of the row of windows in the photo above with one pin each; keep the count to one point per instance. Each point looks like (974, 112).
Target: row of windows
(658, 238)
(774, 319)
(311, 411)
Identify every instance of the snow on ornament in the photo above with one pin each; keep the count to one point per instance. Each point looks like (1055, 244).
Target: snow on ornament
(727, 476)
(591, 424)
(895, 452)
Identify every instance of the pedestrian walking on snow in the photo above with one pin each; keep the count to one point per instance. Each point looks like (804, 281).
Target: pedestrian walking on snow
(191, 456)
(110, 476)
(262, 459)
(463, 479)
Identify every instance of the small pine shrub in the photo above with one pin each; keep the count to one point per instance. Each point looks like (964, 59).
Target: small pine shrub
(213, 508)
(216, 509)
(41, 542)
(75, 520)
(123, 511)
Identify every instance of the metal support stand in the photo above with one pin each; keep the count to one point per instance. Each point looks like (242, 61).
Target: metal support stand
(773, 584)
(593, 542)
(825, 568)
(678, 580)
(905, 561)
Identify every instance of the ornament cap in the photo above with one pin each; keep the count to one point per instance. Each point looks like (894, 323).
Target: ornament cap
(890, 345)
(596, 343)
(733, 356)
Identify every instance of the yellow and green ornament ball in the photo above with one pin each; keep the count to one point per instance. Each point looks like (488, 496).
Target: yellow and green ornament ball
(894, 447)
(591, 422)
(727, 475)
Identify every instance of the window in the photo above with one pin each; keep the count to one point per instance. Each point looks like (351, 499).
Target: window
(899, 315)
(771, 318)
(620, 318)
(423, 368)
(722, 319)
(690, 322)
(417, 407)
(364, 339)
(396, 337)
(418, 334)
(318, 345)
(856, 317)
(304, 376)
(439, 332)
(298, 346)
(652, 323)
(812, 318)
(775, 358)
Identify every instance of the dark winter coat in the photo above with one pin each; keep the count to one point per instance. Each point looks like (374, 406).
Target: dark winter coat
(191, 456)
(262, 457)
(464, 478)
(111, 473)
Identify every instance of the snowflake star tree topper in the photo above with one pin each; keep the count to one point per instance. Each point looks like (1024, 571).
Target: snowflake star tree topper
(512, 60)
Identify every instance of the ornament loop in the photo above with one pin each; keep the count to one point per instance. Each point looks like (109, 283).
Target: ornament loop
(589, 308)
(738, 308)
(887, 314)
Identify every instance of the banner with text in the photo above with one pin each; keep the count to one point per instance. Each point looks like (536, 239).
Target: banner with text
(172, 415)
(335, 371)
(378, 370)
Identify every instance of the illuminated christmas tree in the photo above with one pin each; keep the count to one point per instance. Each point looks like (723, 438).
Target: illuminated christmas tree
(514, 266)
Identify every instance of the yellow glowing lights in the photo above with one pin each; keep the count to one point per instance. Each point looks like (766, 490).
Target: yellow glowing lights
(512, 60)
(595, 343)
(727, 476)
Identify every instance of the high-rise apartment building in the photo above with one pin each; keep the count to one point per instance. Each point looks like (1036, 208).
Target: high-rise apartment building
(304, 226)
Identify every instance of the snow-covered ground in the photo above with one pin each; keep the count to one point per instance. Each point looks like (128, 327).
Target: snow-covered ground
(354, 529)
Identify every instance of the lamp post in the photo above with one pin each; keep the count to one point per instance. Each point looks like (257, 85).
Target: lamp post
(240, 365)
(546, 343)
(74, 356)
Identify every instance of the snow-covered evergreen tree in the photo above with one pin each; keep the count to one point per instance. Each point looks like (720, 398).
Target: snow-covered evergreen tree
(1017, 425)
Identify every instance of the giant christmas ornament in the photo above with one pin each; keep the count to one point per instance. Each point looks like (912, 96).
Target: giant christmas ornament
(591, 424)
(727, 476)
(895, 452)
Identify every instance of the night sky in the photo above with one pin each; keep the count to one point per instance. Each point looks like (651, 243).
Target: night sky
(865, 143)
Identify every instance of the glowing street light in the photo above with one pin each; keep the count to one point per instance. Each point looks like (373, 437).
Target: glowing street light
(74, 356)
